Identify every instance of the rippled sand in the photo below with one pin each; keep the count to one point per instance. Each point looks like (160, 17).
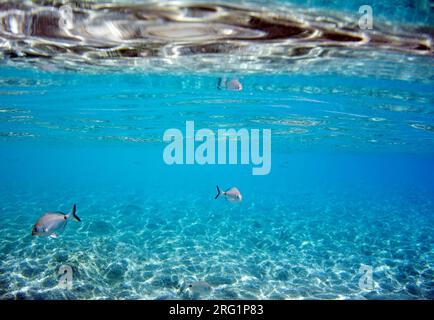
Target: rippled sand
(139, 247)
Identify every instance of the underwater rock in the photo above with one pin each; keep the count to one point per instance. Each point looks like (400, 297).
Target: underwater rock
(61, 256)
(21, 296)
(408, 270)
(49, 282)
(29, 272)
(299, 271)
(256, 224)
(256, 271)
(390, 262)
(387, 285)
(38, 295)
(7, 296)
(116, 271)
(430, 294)
(413, 289)
(282, 275)
(428, 274)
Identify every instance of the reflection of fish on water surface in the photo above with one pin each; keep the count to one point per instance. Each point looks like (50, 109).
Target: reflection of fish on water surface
(231, 85)
(52, 222)
(232, 194)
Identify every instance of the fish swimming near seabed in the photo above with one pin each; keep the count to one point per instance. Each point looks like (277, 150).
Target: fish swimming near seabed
(232, 194)
(52, 222)
(200, 289)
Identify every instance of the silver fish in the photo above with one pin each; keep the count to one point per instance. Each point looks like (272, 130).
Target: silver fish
(200, 288)
(231, 85)
(51, 222)
(232, 194)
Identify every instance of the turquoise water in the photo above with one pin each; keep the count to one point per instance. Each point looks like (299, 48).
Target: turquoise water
(351, 181)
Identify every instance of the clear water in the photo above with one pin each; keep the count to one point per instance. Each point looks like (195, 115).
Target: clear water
(351, 184)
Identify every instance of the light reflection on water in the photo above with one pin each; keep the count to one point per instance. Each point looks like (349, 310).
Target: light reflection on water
(185, 36)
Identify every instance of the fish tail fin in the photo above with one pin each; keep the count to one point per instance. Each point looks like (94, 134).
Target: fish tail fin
(74, 209)
(218, 192)
(221, 83)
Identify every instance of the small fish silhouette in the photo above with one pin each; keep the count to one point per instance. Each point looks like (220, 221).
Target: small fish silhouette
(232, 194)
(200, 288)
(231, 85)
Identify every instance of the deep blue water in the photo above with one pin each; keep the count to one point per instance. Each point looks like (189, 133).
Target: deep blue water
(351, 184)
